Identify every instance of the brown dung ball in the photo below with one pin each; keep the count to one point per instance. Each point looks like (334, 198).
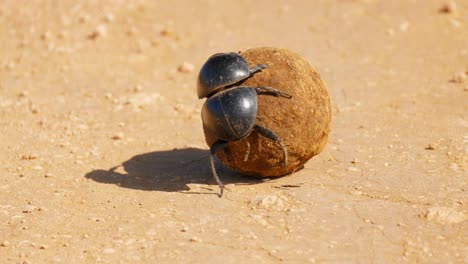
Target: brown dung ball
(303, 122)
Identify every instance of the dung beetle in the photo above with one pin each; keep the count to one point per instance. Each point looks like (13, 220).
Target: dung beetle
(230, 111)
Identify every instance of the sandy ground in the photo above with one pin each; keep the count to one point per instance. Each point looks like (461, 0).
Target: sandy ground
(104, 159)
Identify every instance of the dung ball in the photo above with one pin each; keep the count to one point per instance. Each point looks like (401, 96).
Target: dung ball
(302, 122)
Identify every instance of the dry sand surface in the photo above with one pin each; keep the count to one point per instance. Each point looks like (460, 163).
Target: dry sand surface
(104, 158)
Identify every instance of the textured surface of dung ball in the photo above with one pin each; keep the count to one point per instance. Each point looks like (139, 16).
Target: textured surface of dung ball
(303, 122)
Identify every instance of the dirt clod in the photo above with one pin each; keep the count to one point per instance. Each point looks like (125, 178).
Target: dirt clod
(445, 215)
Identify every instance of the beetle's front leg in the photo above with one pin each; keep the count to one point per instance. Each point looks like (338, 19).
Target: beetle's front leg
(257, 68)
(217, 146)
(273, 91)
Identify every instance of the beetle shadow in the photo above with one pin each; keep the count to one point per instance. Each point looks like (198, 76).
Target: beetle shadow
(169, 171)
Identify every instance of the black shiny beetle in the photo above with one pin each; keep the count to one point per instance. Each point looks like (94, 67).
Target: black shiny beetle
(230, 111)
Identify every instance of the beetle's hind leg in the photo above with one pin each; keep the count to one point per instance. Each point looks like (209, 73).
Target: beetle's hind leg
(257, 68)
(217, 146)
(271, 135)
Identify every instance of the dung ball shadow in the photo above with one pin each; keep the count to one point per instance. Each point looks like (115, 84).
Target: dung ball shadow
(168, 171)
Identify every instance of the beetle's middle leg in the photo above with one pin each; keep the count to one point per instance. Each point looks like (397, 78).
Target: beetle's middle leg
(271, 135)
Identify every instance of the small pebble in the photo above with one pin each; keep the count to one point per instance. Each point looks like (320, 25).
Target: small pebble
(109, 17)
(63, 34)
(46, 35)
(195, 239)
(166, 33)
(354, 161)
(38, 168)
(453, 166)
(137, 88)
(118, 136)
(84, 18)
(459, 77)
(23, 94)
(186, 67)
(431, 147)
(34, 109)
(5, 243)
(99, 31)
(28, 209)
(108, 251)
(448, 7)
(28, 156)
(132, 31)
(404, 26)
(445, 215)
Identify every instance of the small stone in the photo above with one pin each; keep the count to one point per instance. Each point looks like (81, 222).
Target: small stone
(109, 17)
(404, 26)
(448, 7)
(184, 229)
(38, 168)
(354, 161)
(29, 209)
(46, 35)
(132, 31)
(195, 239)
(63, 34)
(48, 175)
(186, 67)
(108, 251)
(432, 146)
(34, 109)
(459, 77)
(118, 136)
(138, 88)
(28, 156)
(445, 215)
(453, 166)
(84, 18)
(43, 247)
(269, 201)
(99, 31)
(9, 66)
(5, 243)
(166, 32)
(223, 231)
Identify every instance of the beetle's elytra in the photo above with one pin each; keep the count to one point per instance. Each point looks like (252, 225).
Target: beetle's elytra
(230, 111)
